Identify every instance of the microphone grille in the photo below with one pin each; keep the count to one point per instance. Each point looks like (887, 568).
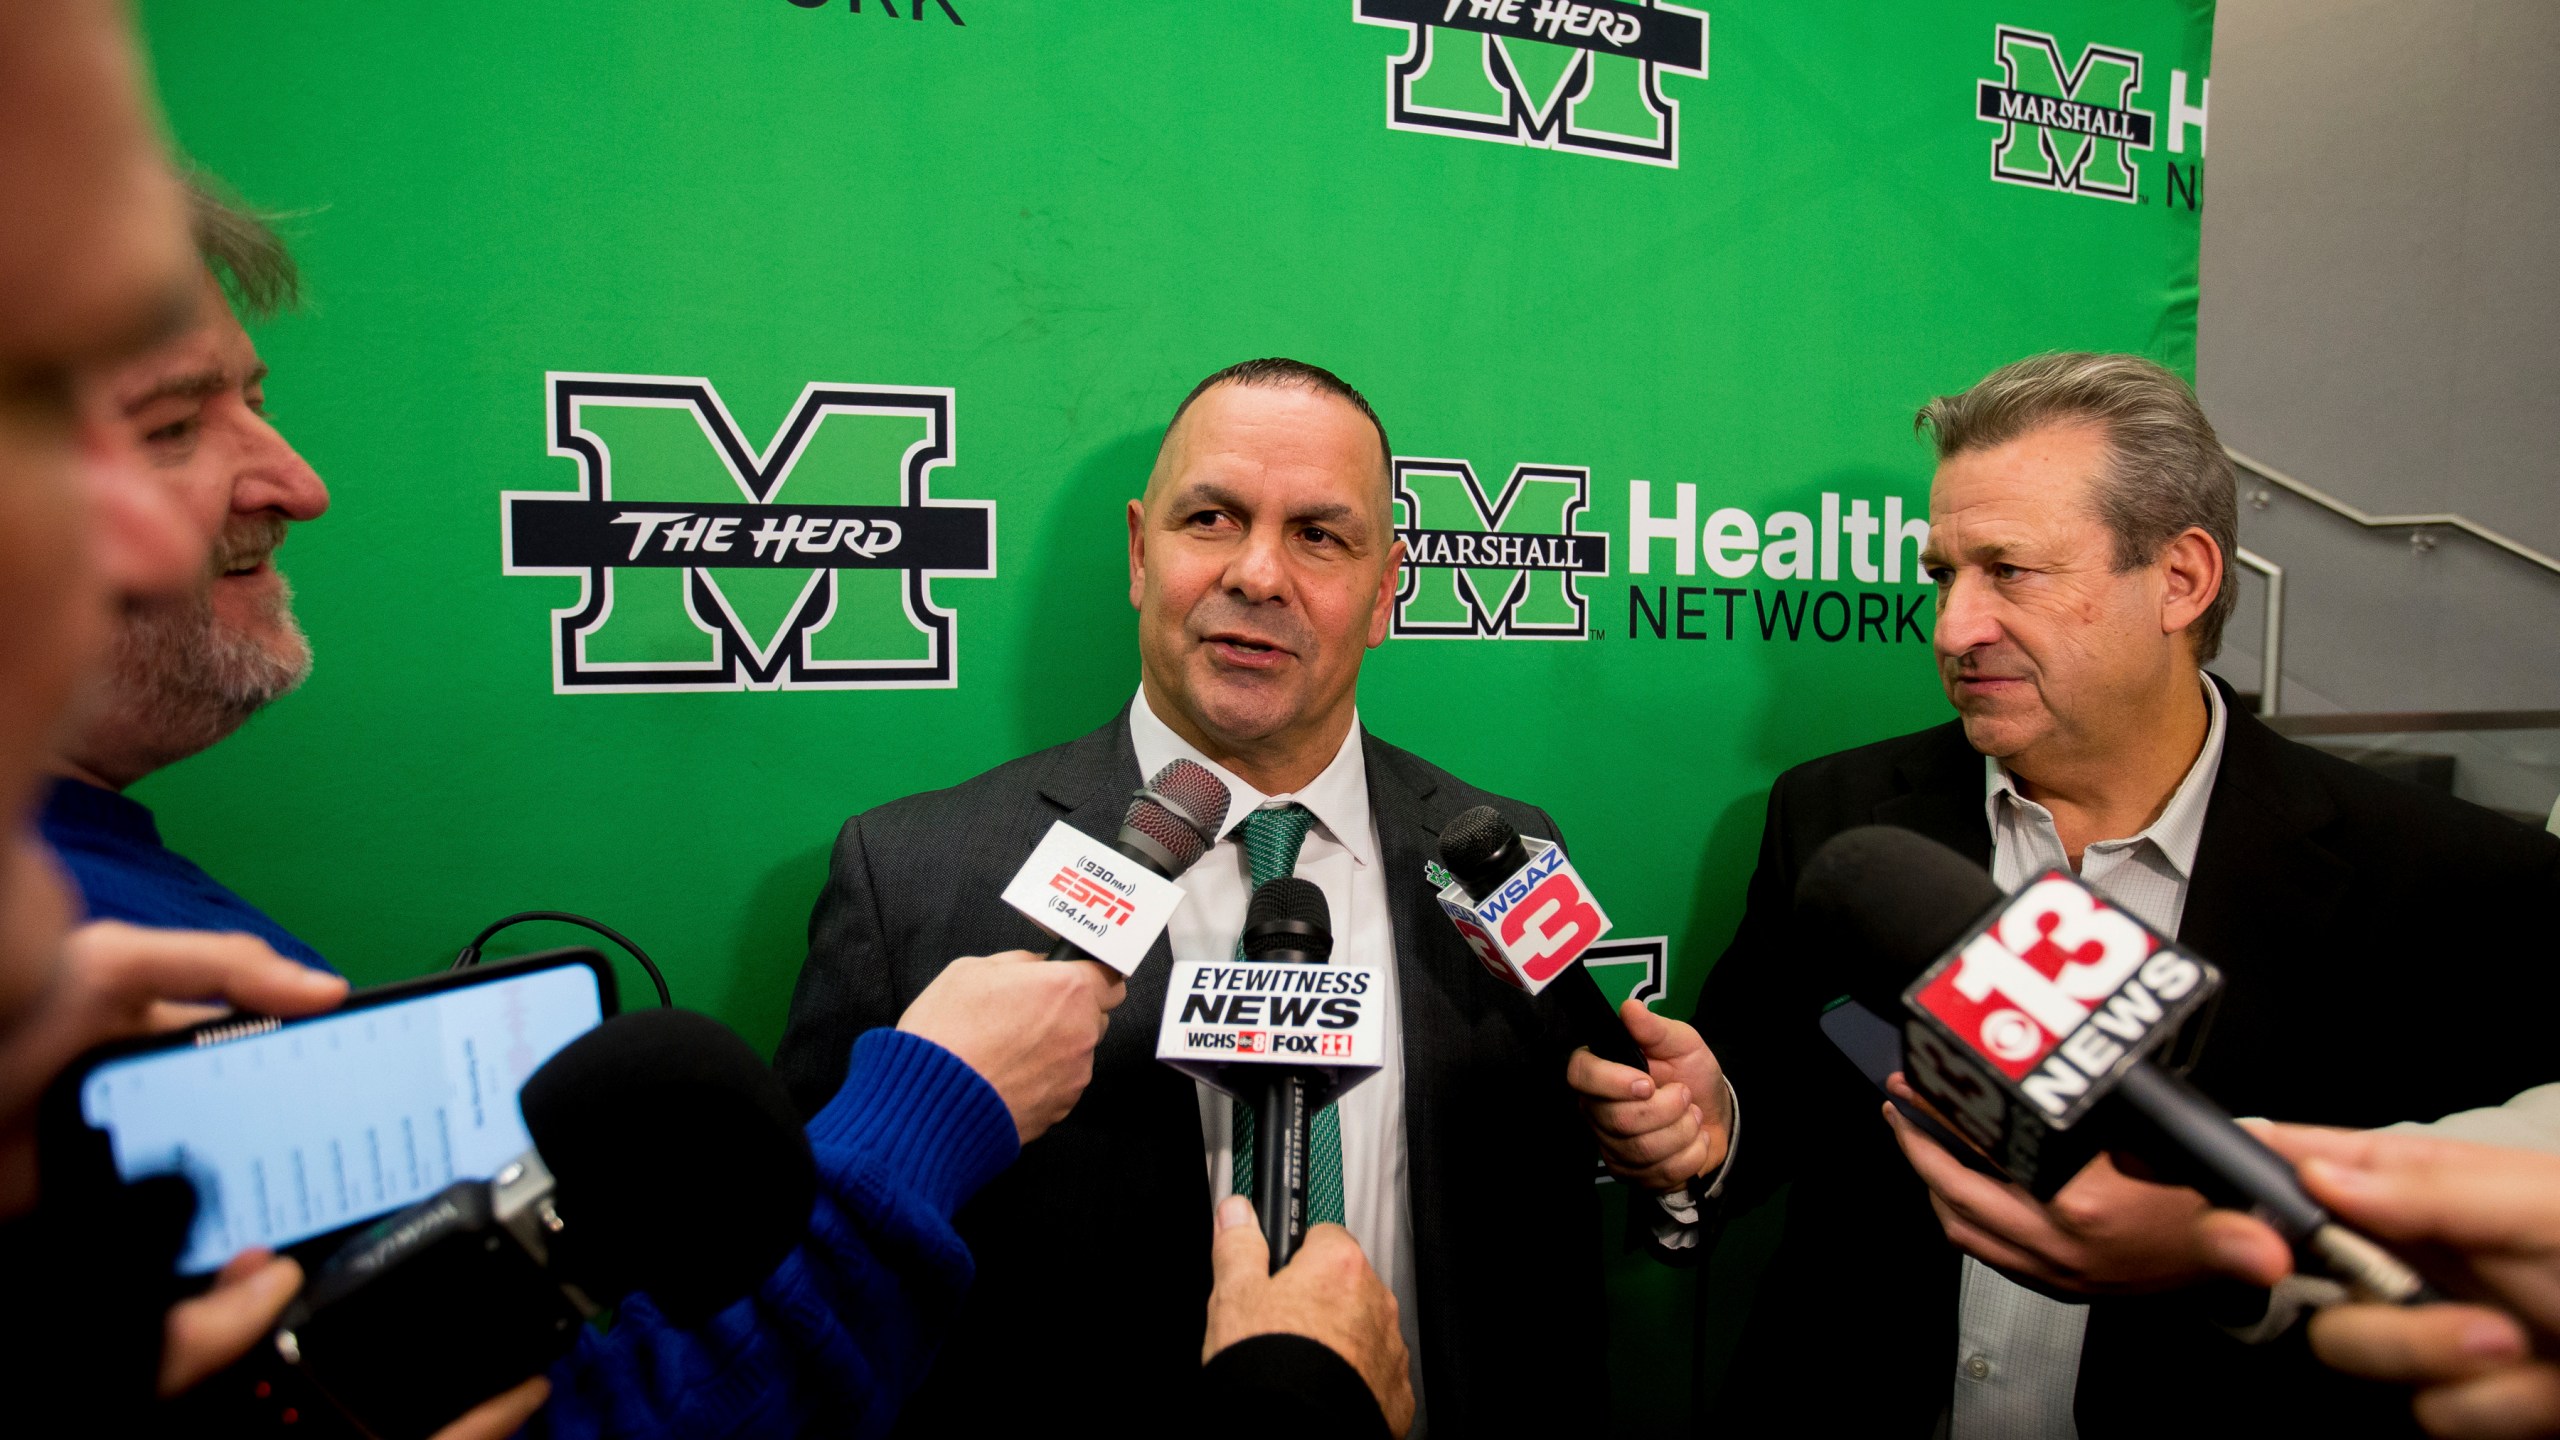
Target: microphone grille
(1288, 898)
(1195, 794)
(1181, 809)
(1477, 845)
(1169, 830)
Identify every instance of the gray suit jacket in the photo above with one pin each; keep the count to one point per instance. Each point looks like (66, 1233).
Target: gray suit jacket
(1093, 1251)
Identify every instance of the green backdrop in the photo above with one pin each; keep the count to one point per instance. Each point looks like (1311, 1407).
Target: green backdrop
(1605, 243)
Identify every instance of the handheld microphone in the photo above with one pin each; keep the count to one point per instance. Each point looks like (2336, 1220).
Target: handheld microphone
(2036, 1011)
(667, 1161)
(1287, 923)
(1527, 916)
(1287, 1029)
(1110, 902)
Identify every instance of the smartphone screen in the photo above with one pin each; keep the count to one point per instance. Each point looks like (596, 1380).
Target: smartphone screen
(317, 1124)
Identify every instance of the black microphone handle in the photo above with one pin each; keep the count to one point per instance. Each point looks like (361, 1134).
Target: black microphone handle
(1601, 1028)
(2207, 1149)
(1280, 1120)
(2204, 1147)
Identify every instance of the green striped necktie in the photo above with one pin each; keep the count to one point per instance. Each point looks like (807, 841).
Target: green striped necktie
(1272, 839)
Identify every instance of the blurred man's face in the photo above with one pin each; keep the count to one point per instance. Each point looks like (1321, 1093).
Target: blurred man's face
(2040, 640)
(1263, 565)
(189, 668)
(95, 263)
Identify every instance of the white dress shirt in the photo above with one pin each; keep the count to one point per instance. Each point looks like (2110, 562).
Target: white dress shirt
(1341, 856)
(2018, 1351)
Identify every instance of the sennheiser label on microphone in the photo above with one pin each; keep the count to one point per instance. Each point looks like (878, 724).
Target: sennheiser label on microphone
(1219, 1014)
(1534, 925)
(1079, 888)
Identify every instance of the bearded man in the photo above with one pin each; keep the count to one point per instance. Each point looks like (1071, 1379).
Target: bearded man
(189, 668)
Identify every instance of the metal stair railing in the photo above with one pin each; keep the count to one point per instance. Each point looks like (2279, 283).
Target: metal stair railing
(2271, 645)
(2271, 650)
(2336, 506)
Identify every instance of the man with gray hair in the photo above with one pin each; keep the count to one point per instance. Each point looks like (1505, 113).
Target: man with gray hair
(2080, 521)
(188, 669)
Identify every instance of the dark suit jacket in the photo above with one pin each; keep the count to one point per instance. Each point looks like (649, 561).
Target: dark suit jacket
(2387, 955)
(1286, 1387)
(1093, 1251)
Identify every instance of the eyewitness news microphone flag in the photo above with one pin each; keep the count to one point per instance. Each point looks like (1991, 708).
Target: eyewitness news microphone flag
(1228, 1023)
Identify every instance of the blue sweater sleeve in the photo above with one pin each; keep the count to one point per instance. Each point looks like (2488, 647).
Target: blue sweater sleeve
(840, 1334)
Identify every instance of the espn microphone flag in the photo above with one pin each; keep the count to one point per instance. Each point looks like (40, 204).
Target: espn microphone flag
(1084, 891)
(1109, 902)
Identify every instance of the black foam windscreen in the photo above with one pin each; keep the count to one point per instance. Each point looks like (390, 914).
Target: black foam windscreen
(681, 1168)
(1288, 919)
(1481, 849)
(1888, 903)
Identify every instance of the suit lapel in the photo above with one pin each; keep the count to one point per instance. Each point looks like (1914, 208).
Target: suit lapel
(1405, 828)
(1942, 796)
(2265, 889)
(1088, 785)
(1436, 994)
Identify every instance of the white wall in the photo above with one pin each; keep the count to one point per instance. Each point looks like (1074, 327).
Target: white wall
(2380, 317)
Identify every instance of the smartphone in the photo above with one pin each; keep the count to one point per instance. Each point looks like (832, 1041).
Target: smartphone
(1873, 1045)
(293, 1130)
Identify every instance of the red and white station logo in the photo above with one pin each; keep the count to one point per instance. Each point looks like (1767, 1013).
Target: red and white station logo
(1488, 954)
(2025, 984)
(1550, 929)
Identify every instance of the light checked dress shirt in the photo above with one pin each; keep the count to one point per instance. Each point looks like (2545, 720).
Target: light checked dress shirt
(2018, 1351)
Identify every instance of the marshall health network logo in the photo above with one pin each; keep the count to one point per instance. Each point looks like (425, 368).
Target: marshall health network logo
(698, 573)
(2069, 127)
(1578, 75)
(1504, 566)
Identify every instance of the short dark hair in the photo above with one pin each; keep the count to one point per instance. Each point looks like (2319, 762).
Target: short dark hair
(242, 249)
(2166, 470)
(1277, 372)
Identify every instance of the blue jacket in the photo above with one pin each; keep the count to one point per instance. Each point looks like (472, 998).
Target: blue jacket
(846, 1326)
(111, 845)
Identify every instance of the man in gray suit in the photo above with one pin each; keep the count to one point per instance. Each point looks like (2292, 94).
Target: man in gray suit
(1263, 563)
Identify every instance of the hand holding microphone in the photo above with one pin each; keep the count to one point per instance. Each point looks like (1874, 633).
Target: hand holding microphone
(1664, 1125)
(1286, 1028)
(2104, 1233)
(2032, 1021)
(2484, 1220)
(1328, 1292)
(1027, 1027)
(248, 1296)
(667, 1162)
(218, 1327)
(1651, 1089)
